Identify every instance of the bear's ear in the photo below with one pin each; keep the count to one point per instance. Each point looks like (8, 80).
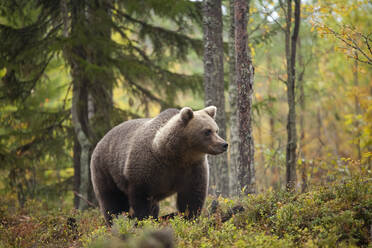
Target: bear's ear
(186, 114)
(211, 110)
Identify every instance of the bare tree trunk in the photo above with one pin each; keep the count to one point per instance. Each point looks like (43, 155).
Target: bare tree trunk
(262, 163)
(357, 107)
(214, 87)
(79, 107)
(78, 100)
(302, 120)
(244, 81)
(76, 149)
(92, 97)
(76, 159)
(233, 101)
(319, 133)
(274, 168)
(290, 45)
(99, 16)
(100, 105)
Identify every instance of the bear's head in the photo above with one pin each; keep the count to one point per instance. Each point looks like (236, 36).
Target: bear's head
(201, 130)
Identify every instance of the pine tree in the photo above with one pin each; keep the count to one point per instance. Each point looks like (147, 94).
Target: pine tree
(106, 45)
(233, 100)
(244, 81)
(214, 87)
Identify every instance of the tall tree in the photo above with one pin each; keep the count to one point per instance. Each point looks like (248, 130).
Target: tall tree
(233, 101)
(244, 81)
(301, 152)
(112, 53)
(79, 107)
(290, 51)
(357, 106)
(214, 86)
(32, 130)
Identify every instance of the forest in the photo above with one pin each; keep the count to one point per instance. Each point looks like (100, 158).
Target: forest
(292, 83)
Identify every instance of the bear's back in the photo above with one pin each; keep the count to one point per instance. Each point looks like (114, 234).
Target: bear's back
(112, 151)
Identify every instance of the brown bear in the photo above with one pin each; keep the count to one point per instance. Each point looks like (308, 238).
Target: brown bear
(142, 161)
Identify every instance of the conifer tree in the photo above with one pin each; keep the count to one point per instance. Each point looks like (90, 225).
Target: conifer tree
(244, 81)
(104, 45)
(233, 101)
(214, 87)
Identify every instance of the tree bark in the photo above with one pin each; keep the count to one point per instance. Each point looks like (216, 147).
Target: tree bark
(76, 159)
(99, 17)
(92, 96)
(290, 44)
(302, 153)
(244, 81)
(214, 88)
(76, 148)
(78, 100)
(79, 107)
(357, 107)
(233, 101)
(274, 182)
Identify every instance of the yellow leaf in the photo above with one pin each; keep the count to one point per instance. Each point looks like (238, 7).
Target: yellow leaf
(2, 72)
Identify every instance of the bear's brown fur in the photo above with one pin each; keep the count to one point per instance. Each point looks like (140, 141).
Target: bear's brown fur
(142, 161)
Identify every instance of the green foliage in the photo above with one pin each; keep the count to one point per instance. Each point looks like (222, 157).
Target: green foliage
(332, 216)
(328, 216)
(130, 49)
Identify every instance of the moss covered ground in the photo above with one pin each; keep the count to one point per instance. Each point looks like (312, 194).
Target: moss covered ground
(338, 215)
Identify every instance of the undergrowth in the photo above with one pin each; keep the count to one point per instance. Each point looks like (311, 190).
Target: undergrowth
(333, 216)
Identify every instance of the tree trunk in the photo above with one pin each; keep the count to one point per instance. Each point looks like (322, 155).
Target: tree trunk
(79, 99)
(275, 173)
(290, 44)
(76, 148)
(79, 108)
(262, 163)
(214, 88)
(102, 84)
(76, 159)
(233, 101)
(302, 154)
(92, 96)
(100, 105)
(244, 81)
(357, 107)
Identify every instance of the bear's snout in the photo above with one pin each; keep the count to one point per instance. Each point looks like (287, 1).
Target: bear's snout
(224, 146)
(220, 147)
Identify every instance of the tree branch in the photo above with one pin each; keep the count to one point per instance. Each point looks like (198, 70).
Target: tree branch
(84, 199)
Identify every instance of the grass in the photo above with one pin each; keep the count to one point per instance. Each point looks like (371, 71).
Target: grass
(333, 216)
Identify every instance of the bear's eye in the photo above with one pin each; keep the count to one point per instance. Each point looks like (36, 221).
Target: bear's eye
(207, 132)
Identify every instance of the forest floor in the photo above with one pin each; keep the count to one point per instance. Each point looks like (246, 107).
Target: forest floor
(338, 215)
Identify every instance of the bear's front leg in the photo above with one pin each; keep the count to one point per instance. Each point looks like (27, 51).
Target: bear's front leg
(143, 205)
(191, 198)
(190, 203)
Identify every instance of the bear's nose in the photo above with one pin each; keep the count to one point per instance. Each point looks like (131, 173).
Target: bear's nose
(225, 145)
